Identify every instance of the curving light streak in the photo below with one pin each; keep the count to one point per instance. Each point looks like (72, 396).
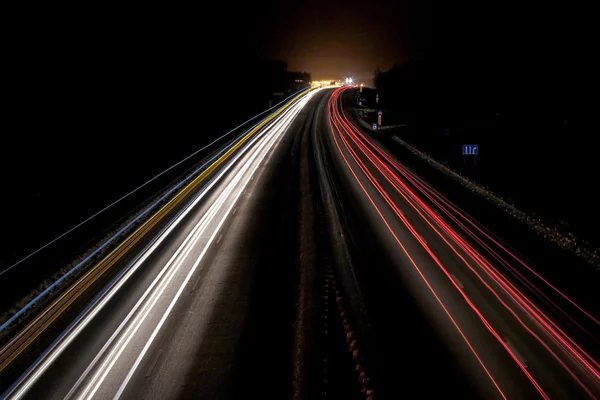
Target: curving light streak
(527, 305)
(153, 179)
(146, 211)
(484, 271)
(258, 147)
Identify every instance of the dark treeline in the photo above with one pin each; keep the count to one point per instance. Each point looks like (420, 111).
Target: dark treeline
(441, 91)
(138, 70)
(526, 61)
(273, 81)
(103, 83)
(99, 101)
(521, 83)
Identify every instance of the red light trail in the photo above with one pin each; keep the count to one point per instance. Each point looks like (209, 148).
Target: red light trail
(562, 348)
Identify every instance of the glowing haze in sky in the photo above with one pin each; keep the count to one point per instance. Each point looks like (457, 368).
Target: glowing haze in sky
(334, 39)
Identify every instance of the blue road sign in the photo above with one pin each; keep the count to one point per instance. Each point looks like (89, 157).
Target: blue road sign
(374, 126)
(379, 112)
(470, 149)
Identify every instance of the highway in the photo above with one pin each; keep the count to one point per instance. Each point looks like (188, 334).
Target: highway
(231, 298)
(513, 333)
(172, 324)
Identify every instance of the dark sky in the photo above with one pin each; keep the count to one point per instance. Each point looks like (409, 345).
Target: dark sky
(138, 69)
(102, 97)
(114, 59)
(96, 95)
(128, 70)
(79, 77)
(332, 39)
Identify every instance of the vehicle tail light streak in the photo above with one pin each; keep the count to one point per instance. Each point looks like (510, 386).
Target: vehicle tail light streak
(523, 309)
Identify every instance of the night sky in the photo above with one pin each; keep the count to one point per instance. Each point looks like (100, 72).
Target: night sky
(101, 98)
(339, 38)
(330, 39)
(76, 76)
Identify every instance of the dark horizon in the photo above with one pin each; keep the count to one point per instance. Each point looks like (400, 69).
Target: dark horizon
(141, 76)
(82, 80)
(329, 40)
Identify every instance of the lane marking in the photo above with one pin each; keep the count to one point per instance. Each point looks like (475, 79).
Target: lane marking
(196, 283)
(516, 352)
(459, 283)
(153, 363)
(219, 239)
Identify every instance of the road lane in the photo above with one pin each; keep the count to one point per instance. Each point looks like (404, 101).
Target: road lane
(207, 313)
(482, 313)
(65, 303)
(122, 340)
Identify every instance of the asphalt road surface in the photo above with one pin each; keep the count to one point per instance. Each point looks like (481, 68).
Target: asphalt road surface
(507, 332)
(207, 311)
(225, 304)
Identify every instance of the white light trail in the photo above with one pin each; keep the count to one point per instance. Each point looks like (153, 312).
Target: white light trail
(266, 138)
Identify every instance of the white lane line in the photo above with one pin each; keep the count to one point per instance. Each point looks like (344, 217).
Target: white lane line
(196, 283)
(156, 357)
(219, 239)
(459, 283)
(516, 352)
(275, 135)
(234, 211)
